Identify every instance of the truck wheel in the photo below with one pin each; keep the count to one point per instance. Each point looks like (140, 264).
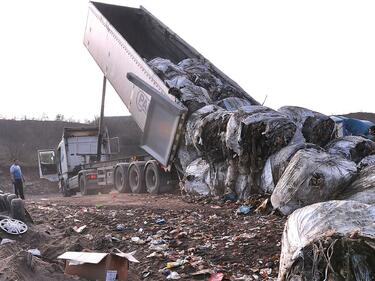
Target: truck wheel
(154, 178)
(9, 200)
(83, 186)
(136, 179)
(122, 179)
(17, 209)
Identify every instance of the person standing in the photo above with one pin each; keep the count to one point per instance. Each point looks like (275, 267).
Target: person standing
(17, 178)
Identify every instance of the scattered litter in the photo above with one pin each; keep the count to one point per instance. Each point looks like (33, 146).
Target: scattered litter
(120, 227)
(175, 264)
(79, 229)
(174, 275)
(6, 241)
(138, 240)
(216, 277)
(34, 252)
(160, 221)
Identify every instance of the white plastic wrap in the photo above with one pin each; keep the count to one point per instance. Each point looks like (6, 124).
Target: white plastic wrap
(312, 176)
(317, 221)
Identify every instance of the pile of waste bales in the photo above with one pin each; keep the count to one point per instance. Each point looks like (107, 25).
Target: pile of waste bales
(232, 144)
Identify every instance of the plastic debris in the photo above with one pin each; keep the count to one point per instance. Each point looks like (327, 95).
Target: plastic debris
(175, 263)
(138, 240)
(6, 241)
(216, 277)
(121, 227)
(174, 275)
(34, 252)
(79, 229)
(244, 210)
(160, 221)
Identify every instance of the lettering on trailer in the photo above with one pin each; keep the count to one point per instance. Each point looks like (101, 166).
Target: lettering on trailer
(142, 101)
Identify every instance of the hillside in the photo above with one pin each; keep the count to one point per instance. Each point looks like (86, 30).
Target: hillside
(21, 139)
(362, 115)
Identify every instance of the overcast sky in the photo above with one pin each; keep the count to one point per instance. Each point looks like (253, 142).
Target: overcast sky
(315, 54)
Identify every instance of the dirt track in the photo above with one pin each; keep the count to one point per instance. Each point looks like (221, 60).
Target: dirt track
(208, 236)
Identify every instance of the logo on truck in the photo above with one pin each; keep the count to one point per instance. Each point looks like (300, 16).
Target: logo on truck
(142, 101)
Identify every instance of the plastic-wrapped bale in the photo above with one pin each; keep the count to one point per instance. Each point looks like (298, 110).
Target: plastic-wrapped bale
(254, 133)
(165, 69)
(206, 129)
(204, 179)
(312, 127)
(367, 161)
(354, 148)
(362, 189)
(185, 155)
(312, 176)
(201, 74)
(192, 96)
(333, 240)
(277, 163)
(233, 103)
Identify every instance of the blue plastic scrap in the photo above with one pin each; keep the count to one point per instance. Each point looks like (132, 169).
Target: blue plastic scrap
(245, 210)
(160, 221)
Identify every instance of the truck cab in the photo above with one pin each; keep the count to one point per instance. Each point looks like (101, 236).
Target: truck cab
(66, 164)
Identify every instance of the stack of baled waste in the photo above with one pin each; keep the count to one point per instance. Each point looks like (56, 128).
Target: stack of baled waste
(228, 136)
(325, 183)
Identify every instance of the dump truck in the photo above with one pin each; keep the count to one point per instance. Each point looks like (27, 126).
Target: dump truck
(121, 40)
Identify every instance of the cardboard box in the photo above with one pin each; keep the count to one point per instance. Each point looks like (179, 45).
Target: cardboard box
(98, 266)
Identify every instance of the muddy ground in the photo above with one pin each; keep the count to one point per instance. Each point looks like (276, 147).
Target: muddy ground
(209, 236)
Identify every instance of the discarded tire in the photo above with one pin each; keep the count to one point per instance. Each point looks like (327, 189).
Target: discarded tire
(9, 200)
(136, 178)
(17, 209)
(121, 179)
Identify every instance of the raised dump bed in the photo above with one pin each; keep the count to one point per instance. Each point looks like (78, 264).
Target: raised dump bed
(122, 40)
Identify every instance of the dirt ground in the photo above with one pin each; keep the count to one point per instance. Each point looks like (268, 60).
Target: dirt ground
(207, 236)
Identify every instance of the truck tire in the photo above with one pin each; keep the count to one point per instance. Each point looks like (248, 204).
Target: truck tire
(9, 200)
(17, 209)
(136, 178)
(154, 178)
(122, 179)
